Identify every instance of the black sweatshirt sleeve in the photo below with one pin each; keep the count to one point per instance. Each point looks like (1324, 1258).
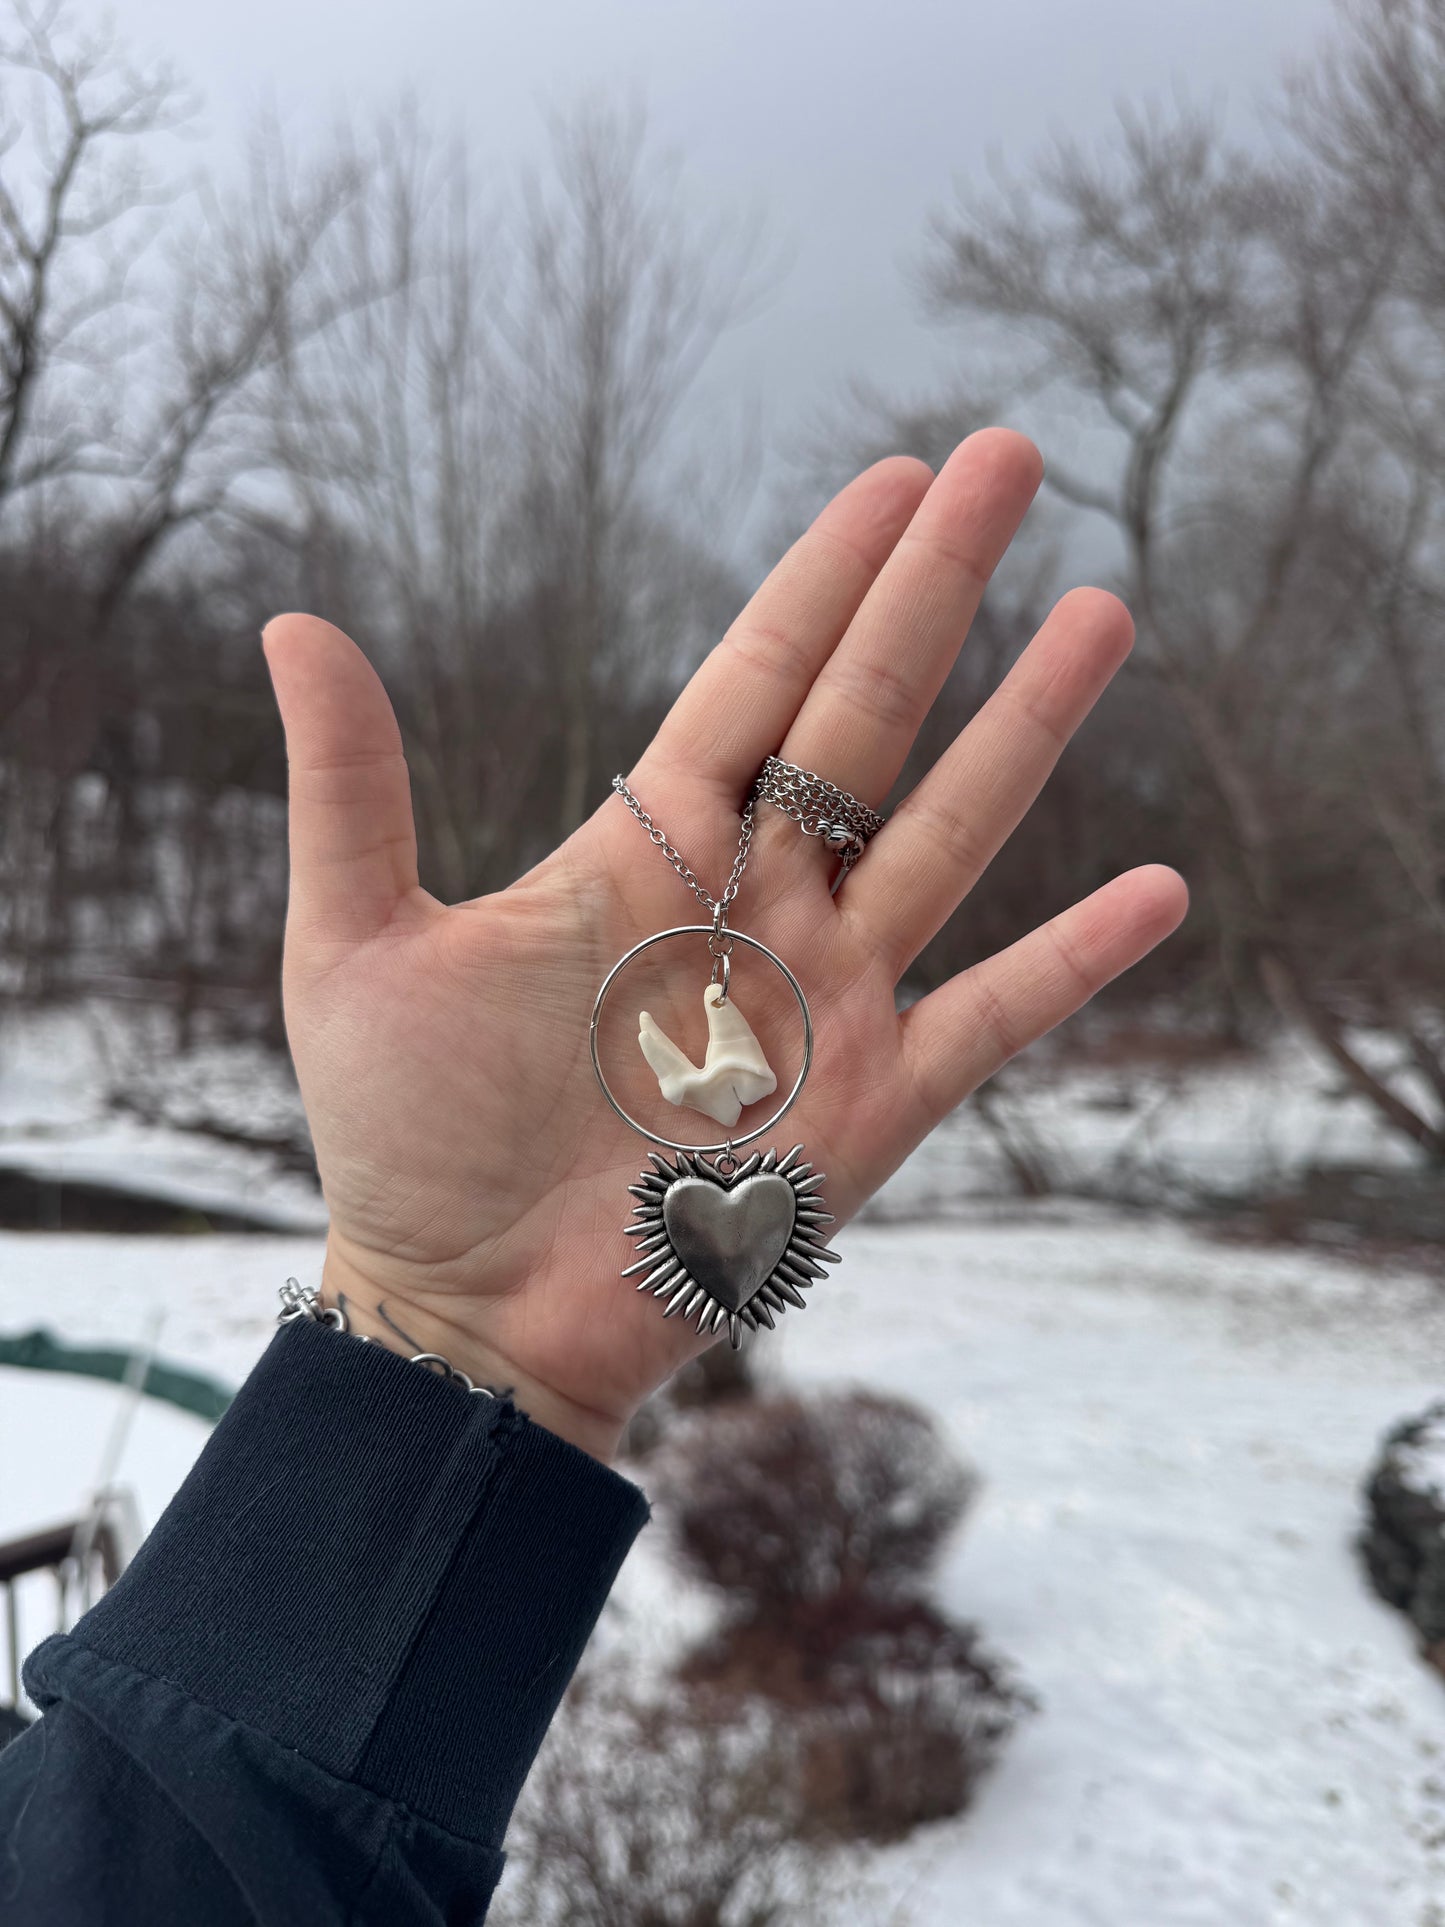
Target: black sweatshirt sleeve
(316, 1692)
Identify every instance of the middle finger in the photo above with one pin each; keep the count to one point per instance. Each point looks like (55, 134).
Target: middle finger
(859, 720)
(942, 836)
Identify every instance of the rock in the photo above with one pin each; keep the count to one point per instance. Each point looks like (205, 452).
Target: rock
(1403, 1541)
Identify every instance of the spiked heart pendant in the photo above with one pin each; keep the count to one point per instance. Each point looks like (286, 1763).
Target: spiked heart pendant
(730, 1247)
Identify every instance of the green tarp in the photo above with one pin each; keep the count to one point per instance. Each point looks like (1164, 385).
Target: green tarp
(42, 1351)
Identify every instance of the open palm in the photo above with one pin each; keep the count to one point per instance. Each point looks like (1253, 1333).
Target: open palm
(475, 1177)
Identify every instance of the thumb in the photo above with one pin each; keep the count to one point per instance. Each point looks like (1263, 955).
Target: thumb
(353, 841)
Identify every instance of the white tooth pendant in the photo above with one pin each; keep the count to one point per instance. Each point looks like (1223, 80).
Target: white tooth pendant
(734, 1073)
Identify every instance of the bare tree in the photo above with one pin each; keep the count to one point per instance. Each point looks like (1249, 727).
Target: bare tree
(612, 313)
(1240, 334)
(130, 378)
(479, 459)
(78, 126)
(349, 373)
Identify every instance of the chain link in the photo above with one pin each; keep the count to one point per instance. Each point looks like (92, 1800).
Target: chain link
(715, 906)
(300, 1301)
(819, 808)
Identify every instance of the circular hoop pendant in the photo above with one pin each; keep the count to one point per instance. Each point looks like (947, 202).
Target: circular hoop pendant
(728, 1145)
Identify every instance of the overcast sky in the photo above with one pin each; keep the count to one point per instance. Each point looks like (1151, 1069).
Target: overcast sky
(846, 121)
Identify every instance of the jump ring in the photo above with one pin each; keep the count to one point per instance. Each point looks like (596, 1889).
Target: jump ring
(722, 972)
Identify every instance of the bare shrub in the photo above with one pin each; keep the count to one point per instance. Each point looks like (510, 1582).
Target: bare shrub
(820, 1518)
(786, 1502)
(898, 1713)
(712, 1378)
(675, 1814)
(1402, 1541)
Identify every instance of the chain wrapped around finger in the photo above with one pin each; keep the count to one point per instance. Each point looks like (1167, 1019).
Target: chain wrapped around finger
(819, 808)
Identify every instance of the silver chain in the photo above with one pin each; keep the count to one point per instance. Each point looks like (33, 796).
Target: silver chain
(715, 906)
(300, 1301)
(819, 808)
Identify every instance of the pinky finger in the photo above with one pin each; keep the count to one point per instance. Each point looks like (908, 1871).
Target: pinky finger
(959, 1036)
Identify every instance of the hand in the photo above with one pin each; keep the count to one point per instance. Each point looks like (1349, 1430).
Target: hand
(477, 1182)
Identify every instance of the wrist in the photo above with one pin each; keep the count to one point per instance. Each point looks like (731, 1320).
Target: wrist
(405, 1325)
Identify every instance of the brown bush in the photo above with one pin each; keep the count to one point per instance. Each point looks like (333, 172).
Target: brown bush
(897, 1712)
(839, 1651)
(714, 1377)
(874, 1772)
(820, 1518)
(678, 1813)
(784, 1502)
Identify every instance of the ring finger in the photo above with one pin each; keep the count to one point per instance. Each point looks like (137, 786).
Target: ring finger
(943, 835)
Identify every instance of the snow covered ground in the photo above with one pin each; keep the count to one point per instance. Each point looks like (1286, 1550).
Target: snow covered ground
(55, 1434)
(1171, 1432)
(1136, 1126)
(1172, 1435)
(60, 1072)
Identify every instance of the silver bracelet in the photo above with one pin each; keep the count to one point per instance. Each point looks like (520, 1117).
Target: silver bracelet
(304, 1301)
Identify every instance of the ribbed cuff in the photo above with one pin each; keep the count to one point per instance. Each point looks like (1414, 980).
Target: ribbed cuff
(390, 1576)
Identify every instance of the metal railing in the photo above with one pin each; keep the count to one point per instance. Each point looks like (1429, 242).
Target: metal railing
(84, 1558)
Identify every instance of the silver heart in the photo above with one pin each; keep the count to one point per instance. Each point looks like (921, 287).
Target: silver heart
(730, 1240)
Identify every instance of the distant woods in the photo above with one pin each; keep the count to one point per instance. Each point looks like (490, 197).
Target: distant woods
(357, 380)
(1242, 356)
(443, 410)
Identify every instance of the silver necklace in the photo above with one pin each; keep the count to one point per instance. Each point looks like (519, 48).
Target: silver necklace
(729, 1241)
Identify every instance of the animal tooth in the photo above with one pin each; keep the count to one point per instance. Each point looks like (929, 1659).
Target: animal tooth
(733, 1074)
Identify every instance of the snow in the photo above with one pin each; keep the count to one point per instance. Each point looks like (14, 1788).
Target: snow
(60, 1070)
(1171, 1434)
(1148, 1130)
(1421, 1463)
(74, 1418)
(1140, 1128)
